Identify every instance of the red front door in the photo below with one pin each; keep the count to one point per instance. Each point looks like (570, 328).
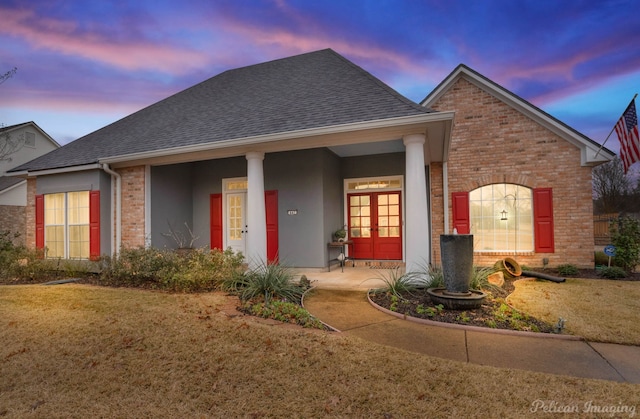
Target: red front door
(375, 225)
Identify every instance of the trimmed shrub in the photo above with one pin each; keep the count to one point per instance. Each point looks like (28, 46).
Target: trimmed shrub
(19, 264)
(141, 266)
(285, 312)
(204, 270)
(197, 270)
(567, 270)
(612, 272)
(625, 236)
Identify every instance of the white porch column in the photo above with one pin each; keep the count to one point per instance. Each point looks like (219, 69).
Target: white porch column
(417, 238)
(256, 215)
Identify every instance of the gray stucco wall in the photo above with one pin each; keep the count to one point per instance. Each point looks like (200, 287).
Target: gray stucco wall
(171, 205)
(299, 178)
(89, 180)
(332, 185)
(375, 165)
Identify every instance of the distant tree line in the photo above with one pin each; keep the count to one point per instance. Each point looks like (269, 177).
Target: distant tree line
(613, 191)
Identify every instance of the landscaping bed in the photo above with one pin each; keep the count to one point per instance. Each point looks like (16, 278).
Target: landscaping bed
(494, 313)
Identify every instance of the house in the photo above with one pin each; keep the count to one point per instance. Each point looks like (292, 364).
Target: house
(18, 144)
(271, 159)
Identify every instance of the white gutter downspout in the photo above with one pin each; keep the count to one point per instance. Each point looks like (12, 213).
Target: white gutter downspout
(115, 245)
(445, 197)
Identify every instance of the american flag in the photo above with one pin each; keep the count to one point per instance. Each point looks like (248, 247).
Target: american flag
(627, 130)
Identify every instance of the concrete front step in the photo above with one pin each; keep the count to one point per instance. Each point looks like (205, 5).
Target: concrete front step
(378, 264)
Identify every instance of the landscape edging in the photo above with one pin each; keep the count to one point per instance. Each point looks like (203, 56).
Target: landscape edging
(471, 328)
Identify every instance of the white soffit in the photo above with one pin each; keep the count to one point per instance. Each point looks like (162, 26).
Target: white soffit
(382, 147)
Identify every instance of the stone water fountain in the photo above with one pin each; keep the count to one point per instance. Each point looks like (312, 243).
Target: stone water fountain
(457, 268)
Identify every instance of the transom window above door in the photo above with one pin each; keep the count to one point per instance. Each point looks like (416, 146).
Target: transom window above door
(394, 182)
(236, 184)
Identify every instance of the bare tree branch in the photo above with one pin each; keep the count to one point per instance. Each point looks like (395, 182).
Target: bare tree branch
(9, 145)
(611, 187)
(6, 76)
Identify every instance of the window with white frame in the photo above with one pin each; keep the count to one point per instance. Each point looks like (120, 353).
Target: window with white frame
(501, 217)
(66, 225)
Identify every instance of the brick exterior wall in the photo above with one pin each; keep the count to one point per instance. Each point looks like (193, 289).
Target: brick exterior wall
(13, 219)
(30, 235)
(494, 143)
(437, 213)
(133, 214)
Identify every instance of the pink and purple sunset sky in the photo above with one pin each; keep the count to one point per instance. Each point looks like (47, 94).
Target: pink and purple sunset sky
(85, 64)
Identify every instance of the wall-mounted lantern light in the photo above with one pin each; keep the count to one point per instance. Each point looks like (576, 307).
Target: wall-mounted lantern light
(504, 215)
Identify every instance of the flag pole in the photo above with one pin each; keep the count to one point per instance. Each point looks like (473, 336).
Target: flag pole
(614, 127)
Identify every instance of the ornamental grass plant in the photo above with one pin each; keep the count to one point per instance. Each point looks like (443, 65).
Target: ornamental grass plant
(267, 282)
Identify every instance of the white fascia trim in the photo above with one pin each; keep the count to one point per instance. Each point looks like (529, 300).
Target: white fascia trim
(17, 185)
(445, 193)
(588, 150)
(261, 139)
(29, 173)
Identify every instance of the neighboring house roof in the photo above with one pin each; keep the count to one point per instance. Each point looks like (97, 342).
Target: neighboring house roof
(8, 181)
(591, 152)
(24, 124)
(304, 92)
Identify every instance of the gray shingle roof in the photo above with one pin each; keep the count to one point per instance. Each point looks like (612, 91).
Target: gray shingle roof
(313, 90)
(7, 181)
(10, 127)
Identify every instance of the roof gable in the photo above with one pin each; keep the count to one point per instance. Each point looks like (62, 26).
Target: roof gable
(35, 126)
(313, 90)
(591, 152)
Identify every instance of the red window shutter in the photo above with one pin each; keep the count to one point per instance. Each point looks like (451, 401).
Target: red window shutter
(215, 209)
(39, 221)
(543, 220)
(460, 209)
(94, 225)
(271, 209)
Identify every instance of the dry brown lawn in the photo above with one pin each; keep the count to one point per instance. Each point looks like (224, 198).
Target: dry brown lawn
(598, 310)
(84, 351)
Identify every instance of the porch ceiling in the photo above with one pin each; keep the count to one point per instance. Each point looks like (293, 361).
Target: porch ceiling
(370, 138)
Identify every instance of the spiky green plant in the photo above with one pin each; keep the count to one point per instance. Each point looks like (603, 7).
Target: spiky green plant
(269, 282)
(399, 284)
(479, 279)
(436, 277)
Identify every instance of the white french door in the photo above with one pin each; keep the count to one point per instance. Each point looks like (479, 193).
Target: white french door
(236, 225)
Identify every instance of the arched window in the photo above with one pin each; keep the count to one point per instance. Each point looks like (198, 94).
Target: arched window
(501, 217)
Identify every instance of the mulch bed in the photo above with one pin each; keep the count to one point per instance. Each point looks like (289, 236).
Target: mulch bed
(494, 312)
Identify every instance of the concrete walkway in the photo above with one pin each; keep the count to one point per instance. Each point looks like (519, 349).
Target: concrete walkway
(340, 300)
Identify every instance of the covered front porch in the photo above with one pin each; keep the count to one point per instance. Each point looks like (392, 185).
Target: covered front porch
(218, 197)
